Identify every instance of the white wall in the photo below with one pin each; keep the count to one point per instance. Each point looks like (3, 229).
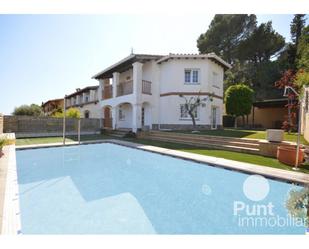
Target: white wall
(94, 109)
(168, 77)
(127, 112)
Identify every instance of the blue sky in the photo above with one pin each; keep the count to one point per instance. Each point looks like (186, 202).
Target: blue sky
(48, 56)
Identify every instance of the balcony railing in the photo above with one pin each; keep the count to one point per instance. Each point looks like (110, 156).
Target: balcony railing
(125, 88)
(146, 87)
(107, 92)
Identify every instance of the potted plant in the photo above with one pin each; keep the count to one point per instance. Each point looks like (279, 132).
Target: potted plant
(2, 143)
(287, 155)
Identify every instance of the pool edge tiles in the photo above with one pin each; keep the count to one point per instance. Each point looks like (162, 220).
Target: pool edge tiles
(11, 222)
(272, 173)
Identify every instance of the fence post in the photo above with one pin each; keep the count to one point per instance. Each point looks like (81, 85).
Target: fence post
(64, 113)
(79, 130)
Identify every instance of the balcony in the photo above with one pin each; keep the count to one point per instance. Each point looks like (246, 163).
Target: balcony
(107, 92)
(146, 87)
(125, 88)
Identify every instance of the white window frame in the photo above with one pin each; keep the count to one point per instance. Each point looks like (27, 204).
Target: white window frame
(191, 70)
(121, 116)
(215, 79)
(187, 117)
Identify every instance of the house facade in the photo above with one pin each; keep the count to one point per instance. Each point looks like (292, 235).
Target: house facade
(51, 106)
(143, 91)
(86, 100)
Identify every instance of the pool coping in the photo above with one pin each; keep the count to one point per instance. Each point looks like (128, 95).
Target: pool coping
(11, 223)
(269, 172)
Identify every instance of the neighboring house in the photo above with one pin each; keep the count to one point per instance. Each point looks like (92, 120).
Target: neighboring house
(142, 91)
(86, 100)
(51, 106)
(305, 114)
(269, 113)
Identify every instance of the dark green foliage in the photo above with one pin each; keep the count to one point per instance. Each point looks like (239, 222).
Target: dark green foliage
(28, 110)
(261, 45)
(225, 34)
(303, 50)
(238, 100)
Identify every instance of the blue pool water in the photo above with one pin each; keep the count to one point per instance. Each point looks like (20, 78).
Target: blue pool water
(112, 189)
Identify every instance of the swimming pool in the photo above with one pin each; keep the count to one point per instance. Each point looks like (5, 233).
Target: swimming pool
(112, 189)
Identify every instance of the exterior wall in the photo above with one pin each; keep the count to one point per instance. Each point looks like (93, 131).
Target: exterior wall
(126, 122)
(168, 77)
(171, 113)
(172, 80)
(92, 106)
(271, 117)
(93, 109)
(24, 126)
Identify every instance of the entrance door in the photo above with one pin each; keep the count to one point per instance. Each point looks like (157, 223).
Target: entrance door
(214, 117)
(107, 118)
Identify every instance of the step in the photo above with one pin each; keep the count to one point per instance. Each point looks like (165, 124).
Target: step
(249, 140)
(208, 140)
(210, 145)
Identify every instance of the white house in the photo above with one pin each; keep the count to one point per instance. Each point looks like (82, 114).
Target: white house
(142, 91)
(86, 100)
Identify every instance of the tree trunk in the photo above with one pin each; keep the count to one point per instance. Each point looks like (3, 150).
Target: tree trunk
(243, 121)
(235, 122)
(193, 120)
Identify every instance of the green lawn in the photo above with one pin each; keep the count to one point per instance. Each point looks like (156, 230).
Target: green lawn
(47, 140)
(241, 157)
(247, 134)
(237, 156)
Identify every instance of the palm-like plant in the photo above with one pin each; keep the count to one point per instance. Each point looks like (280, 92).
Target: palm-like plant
(298, 204)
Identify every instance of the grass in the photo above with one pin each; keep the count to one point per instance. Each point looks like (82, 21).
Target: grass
(47, 140)
(237, 156)
(292, 137)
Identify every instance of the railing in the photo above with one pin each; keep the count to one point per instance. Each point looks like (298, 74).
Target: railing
(146, 87)
(125, 88)
(107, 92)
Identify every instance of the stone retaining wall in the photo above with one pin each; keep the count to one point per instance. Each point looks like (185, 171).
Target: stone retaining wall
(25, 126)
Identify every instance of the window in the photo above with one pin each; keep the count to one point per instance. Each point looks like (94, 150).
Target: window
(87, 114)
(184, 113)
(87, 99)
(121, 114)
(187, 76)
(215, 80)
(192, 76)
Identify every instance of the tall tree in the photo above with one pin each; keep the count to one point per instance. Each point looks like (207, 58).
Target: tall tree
(225, 34)
(263, 44)
(297, 25)
(303, 50)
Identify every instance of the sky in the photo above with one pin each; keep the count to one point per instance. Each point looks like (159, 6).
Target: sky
(47, 56)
